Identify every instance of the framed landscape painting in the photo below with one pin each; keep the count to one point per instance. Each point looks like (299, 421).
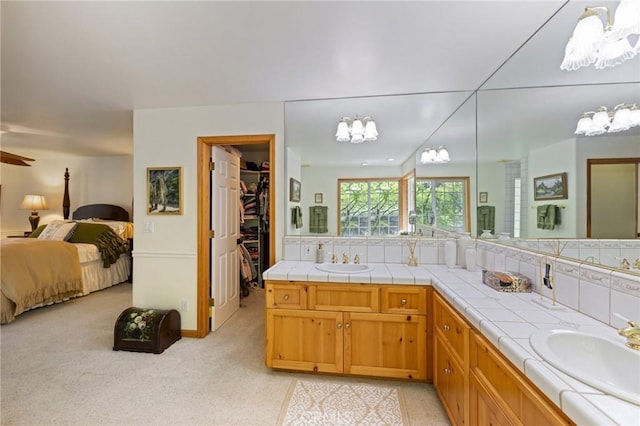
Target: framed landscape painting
(550, 187)
(164, 190)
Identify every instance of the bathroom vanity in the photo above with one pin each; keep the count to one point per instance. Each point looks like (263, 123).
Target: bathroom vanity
(436, 325)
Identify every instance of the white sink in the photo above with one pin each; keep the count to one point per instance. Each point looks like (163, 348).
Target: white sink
(344, 268)
(608, 366)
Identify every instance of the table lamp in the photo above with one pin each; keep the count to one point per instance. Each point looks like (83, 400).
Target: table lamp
(34, 203)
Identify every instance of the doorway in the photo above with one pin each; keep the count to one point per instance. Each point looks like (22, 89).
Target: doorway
(612, 198)
(204, 214)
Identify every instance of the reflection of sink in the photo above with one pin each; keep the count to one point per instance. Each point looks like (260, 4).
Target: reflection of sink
(601, 363)
(344, 268)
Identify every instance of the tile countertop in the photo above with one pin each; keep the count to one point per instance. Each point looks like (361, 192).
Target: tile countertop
(506, 319)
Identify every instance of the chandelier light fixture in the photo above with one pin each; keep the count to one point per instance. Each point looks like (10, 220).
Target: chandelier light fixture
(607, 45)
(433, 155)
(623, 117)
(355, 131)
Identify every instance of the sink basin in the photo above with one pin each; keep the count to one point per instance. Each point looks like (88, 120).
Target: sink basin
(594, 360)
(344, 268)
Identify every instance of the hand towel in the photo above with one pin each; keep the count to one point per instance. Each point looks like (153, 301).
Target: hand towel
(296, 217)
(318, 220)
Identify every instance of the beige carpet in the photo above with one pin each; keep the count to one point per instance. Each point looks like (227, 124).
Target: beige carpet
(322, 403)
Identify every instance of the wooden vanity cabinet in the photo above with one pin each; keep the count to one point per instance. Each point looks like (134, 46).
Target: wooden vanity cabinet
(477, 384)
(451, 360)
(499, 391)
(345, 329)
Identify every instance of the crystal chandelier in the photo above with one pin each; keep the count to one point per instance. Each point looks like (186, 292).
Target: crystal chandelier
(355, 131)
(622, 118)
(433, 155)
(605, 46)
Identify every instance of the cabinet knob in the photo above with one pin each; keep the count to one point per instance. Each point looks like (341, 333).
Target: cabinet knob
(446, 327)
(347, 326)
(339, 325)
(403, 302)
(447, 371)
(286, 297)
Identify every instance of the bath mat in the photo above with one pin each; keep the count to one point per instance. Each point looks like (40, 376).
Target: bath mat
(323, 403)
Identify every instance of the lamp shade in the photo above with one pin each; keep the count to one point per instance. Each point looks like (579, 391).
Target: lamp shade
(584, 124)
(599, 123)
(621, 121)
(634, 117)
(342, 134)
(34, 202)
(627, 18)
(582, 48)
(370, 130)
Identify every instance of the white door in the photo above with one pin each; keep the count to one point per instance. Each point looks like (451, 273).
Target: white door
(225, 222)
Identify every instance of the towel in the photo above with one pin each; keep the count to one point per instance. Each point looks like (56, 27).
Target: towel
(548, 216)
(296, 217)
(318, 220)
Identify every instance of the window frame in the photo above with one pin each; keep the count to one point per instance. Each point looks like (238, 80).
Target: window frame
(401, 197)
(467, 194)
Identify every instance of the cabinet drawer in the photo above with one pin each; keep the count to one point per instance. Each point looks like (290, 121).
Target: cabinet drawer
(286, 295)
(451, 327)
(344, 297)
(519, 400)
(403, 300)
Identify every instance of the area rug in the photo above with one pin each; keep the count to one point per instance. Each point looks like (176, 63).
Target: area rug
(323, 403)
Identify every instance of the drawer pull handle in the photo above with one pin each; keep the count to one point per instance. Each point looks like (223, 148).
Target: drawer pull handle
(347, 326)
(446, 327)
(403, 302)
(339, 325)
(447, 371)
(286, 297)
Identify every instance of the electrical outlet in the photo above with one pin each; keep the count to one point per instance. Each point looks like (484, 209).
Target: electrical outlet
(184, 307)
(148, 227)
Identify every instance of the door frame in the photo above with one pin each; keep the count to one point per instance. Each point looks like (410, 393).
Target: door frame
(204, 213)
(597, 161)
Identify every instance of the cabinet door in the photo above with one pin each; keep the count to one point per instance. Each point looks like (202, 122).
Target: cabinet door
(344, 298)
(449, 381)
(304, 340)
(452, 328)
(385, 345)
(483, 408)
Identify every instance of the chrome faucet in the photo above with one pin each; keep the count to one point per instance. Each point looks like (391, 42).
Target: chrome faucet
(356, 259)
(334, 258)
(345, 258)
(632, 333)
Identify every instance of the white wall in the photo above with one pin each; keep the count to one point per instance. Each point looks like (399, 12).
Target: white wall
(165, 263)
(556, 158)
(92, 180)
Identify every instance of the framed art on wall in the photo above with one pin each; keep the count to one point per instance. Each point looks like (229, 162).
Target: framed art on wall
(318, 197)
(294, 190)
(164, 190)
(550, 187)
(483, 197)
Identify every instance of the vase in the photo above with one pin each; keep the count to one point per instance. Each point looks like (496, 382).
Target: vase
(470, 258)
(486, 233)
(450, 253)
(464, 241)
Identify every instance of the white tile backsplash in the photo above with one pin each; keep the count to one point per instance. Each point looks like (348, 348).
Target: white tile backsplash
(595, 291)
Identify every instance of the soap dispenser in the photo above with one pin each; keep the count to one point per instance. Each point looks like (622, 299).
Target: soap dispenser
(320, 254)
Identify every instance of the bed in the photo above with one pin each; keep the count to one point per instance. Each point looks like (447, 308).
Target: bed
(65, 259)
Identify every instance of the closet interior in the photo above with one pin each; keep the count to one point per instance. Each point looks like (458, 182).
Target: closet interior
(254, 215)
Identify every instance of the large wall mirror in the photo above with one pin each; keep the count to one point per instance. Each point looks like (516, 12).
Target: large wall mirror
(516, 127)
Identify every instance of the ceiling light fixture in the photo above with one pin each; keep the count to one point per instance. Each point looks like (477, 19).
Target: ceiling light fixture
(622, 118)
(433, 155)
(606, 46)
(355, 132)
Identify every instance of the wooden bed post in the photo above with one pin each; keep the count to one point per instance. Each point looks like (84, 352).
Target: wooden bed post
(65, 199)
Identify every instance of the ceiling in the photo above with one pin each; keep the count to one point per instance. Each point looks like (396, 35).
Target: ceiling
(73, 72)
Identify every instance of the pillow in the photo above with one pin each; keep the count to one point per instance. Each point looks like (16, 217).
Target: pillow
(58, 231)
(37, 232)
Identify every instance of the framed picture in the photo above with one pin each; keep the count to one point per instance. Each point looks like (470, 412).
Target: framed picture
(294, 190)
(318, 197)
(164, 190)
(550, 187)
(483, 197)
